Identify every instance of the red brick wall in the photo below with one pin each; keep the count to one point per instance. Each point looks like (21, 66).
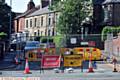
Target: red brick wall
(21, 24)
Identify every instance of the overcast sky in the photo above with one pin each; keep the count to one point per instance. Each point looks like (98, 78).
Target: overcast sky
(20, 5)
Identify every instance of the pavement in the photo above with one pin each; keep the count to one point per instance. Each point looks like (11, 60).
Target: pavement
(110, 63)
(103, 73)
(8, 63)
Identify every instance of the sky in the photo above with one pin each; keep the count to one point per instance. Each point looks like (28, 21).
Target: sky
(21, 5)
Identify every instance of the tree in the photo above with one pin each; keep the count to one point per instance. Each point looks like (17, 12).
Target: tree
(73, 12)
(2, 36)
(56, 5)
(4, 18)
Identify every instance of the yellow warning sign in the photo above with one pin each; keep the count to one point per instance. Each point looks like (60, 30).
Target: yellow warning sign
(73, 60)
(31, 56)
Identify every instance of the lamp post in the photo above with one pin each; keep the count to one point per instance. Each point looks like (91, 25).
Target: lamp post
(82, 29)
(10, 18)
(82, 33)
(48, 23)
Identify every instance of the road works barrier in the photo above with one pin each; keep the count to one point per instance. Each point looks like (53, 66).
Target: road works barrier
(50, 61)
(95, 52)
(35, 55)
(73, 60)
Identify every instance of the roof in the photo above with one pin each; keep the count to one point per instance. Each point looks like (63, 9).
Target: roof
(111, 1)
(98, 2)
(26, 13)
(44, 10)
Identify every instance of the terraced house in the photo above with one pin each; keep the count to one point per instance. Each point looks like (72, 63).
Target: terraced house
(41, 22)
(37, 20)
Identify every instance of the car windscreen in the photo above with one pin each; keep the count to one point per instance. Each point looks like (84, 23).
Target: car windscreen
(32, 44)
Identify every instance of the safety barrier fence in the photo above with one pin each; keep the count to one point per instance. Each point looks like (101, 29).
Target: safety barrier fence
(36, 54)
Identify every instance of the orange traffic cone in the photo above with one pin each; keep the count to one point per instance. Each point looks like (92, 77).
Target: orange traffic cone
(27, 70)
(90, 67)
(16, 60)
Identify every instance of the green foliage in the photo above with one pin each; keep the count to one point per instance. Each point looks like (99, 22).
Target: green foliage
(107, 30)
(58, 40)
(55, 5)
(45, 40)
(2, 35)
(73, 12)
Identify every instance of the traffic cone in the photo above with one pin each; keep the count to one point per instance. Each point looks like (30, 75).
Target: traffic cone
(90, 67)
(27, 70)
(16, 60)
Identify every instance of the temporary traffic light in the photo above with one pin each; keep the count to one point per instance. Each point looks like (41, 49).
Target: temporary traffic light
(87, 49)
(81, 50)
(94, 49)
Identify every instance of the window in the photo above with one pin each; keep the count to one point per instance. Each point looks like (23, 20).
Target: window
(108, 13)
(38, 32)
(27, 34)
(45, 32)
(53, 20)
(42, 21)
(49, 21)
(26, 23)
(53, 32)
(35, 34)
(48, 32)
(57, 17)
(35, 22)
(30, 22)
(38, 22)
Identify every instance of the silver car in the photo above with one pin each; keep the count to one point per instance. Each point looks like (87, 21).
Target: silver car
(32, 45)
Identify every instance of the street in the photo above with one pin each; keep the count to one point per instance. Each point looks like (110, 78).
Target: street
(103, 72)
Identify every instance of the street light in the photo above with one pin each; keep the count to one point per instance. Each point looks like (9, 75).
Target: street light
(82, 29)
(10, 17)
(49, 23)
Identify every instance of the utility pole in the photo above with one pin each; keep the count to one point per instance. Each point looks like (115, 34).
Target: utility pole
(10, 18)
(48, 27)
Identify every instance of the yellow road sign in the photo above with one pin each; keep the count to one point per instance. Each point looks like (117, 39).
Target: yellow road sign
(73, 60)
(31, 55)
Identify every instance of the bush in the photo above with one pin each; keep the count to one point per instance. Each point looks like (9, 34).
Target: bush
(107, 30)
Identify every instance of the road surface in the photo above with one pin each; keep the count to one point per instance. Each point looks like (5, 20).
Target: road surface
(103, 72)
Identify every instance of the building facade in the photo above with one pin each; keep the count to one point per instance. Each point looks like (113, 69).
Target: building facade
(19, 21)
(98, 17)
(112, 45)
(41, 22)
(112, 12)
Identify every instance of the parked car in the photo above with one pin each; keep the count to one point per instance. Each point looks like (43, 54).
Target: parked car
(32, 45)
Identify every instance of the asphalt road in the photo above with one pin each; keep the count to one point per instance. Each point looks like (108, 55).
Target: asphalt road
(103, 72)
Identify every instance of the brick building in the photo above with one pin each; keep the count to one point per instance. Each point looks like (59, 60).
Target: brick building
(20, 19)
(112, 12)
